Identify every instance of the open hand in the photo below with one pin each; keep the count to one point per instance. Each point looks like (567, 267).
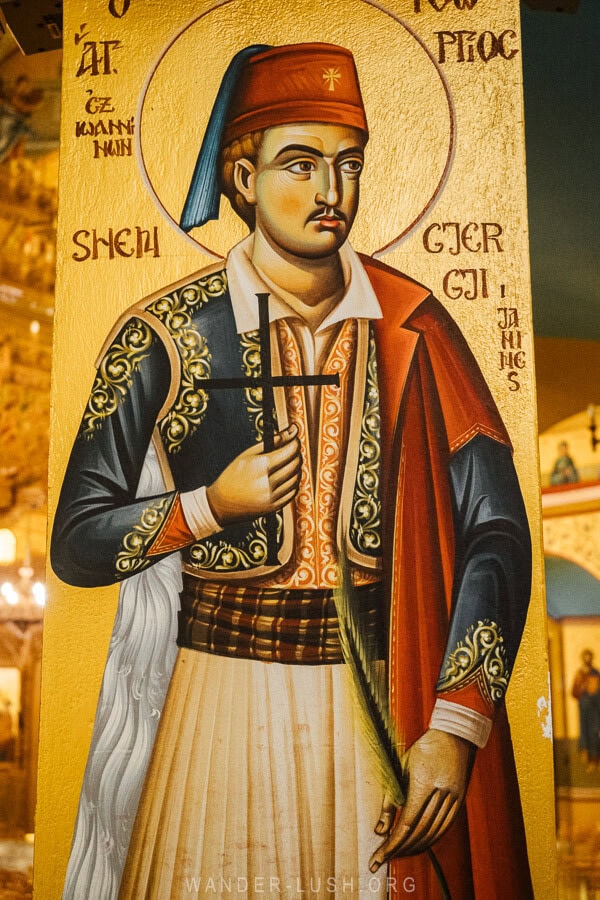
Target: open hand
(438, 766)
(257, 483)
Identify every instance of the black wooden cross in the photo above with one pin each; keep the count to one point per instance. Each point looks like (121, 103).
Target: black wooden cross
(267, 381)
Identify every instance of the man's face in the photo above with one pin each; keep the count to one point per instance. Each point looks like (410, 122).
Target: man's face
(305, 187)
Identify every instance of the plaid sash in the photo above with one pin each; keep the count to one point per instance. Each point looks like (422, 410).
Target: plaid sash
(270, 624)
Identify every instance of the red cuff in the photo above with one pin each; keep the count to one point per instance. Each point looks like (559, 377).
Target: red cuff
(473, 695)
(174, 534)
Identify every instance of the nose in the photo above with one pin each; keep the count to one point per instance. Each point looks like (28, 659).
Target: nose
(329, 195)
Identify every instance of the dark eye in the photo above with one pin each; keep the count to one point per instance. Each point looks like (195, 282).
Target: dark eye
(351, 166)
(302, 167)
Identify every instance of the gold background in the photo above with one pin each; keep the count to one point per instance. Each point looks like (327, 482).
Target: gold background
(486, 184)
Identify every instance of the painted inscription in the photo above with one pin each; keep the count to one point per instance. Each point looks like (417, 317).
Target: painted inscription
(512, 357)
(456, 238)
(97, 58)
(129, 243)
(118, 8)
(468, 284)
(111, 137)
(440, 5)
(467, 46)
(96, 106)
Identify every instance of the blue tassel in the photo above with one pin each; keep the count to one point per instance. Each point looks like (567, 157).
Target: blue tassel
(203, 199)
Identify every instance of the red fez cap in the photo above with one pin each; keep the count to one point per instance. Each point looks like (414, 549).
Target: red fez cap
(297, 83)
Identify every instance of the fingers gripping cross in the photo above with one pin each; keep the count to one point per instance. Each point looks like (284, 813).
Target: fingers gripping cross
(267, 381)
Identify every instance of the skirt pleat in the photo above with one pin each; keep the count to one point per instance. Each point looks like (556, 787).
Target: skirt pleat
(259, 784)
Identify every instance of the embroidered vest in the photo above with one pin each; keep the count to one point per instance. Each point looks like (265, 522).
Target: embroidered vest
(202, 431)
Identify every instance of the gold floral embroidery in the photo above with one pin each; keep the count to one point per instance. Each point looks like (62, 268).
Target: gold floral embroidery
(132, 556)
(251, 365)
(115, 374)
(314, 562)
(365, 522)
(335, 402)
(221, 556)
(481, 657)
(302, 570)
(175, 311)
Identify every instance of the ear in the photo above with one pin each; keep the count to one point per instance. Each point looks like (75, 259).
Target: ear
(244, 177)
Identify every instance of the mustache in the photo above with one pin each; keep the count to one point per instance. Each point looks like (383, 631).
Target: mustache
(328, 212)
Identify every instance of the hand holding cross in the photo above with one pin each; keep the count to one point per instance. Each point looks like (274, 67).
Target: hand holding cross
(262, 479)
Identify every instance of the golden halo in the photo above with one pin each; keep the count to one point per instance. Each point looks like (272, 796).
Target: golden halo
(407, 100)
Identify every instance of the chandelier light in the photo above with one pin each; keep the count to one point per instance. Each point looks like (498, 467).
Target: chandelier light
(21, 599)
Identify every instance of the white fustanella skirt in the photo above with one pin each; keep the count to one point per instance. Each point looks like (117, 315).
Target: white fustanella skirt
(259, 785)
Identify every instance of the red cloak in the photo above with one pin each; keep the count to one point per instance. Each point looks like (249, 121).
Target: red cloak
(433, 400)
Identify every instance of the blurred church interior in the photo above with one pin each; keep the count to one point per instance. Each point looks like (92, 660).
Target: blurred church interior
(561, 59)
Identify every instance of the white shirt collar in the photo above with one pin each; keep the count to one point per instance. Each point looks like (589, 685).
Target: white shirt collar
(359, 301)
